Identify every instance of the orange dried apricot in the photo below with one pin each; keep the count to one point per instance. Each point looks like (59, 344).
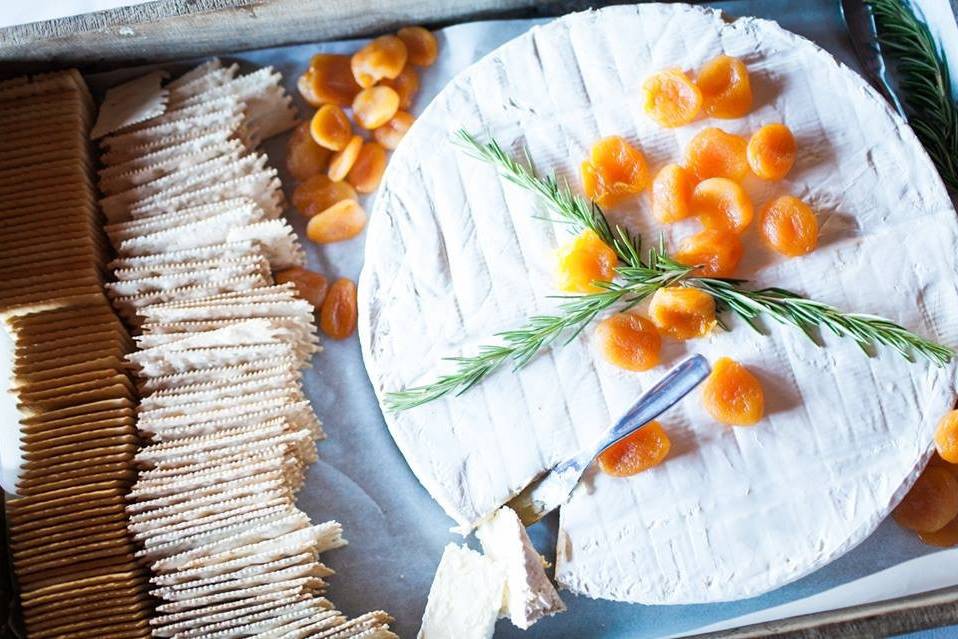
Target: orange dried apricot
(946, 537)
(643, 449)
(306, 86)
(342, 161)
(715, 153)
(331, 80)
(583, 260)
(614, 171)
(337, 316)
(305, 158)
(330, 128)
(946, 437)
(420, 44)
(629, 341)
(342, 221)
(310, 285)
(715, 251)
(725, 86)
(720, 203)
(406, 84)
(393, 131)
(682, 313)
(368, 168)
(318, 193)
(732, 395)
(384, 57)
(672, 194)
(670, 98)
(771, 152)
(931, 503)
(789, 226)
(375, 106)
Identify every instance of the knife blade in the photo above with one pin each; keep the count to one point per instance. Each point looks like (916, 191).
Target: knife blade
(552, 489)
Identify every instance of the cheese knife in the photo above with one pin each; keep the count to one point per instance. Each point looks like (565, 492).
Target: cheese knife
(552, 489)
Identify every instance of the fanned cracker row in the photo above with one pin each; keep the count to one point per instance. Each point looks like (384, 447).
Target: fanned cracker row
(72, 551)
(195, 220)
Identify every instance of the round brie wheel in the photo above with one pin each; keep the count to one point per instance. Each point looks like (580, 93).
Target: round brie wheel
(455, 254)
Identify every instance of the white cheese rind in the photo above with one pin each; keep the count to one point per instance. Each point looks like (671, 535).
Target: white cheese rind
(733, 512)
(530, 595)
(465, 596)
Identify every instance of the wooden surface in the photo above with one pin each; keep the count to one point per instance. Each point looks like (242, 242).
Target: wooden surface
(173, 29)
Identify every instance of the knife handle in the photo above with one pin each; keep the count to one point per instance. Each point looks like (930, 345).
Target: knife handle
(678, 383)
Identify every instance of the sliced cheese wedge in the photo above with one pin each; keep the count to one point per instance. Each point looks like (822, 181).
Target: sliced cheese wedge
(465, 598)
(530, 595)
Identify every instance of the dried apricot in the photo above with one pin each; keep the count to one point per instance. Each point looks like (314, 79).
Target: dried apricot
(583, 260)
(931, 503)
(393, 131)
(946, 437)
(406, 84)
(375, 106)
(672, 194)
(682, 313)
(318, 193)
(368, 168)
(641, 450)
(384, 57)
(789, 226)
(342, 161)
(614, 171)
(946, 537)
(420, 44)
(306, 86)
(342, 221)
(305, 158)
(670, 98)
(331, 80)
(732, 395)
(715, 251)
(720, 203)
(726, 89)
(715, 153)
(330, 127)
(771, 151)
(629, 341)
(337, 316)
(310, 285)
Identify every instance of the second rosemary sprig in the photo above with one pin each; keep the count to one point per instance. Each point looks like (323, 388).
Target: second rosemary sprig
(922, 73)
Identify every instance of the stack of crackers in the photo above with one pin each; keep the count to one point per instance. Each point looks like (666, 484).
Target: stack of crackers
(75, 403)
(51, 232)
(194, 216)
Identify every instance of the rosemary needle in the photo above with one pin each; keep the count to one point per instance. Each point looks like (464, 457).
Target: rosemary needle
(637, 279)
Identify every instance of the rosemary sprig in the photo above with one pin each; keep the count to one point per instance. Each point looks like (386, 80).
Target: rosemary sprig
(801, 312)
(922, 74)
(571, 207)
(637, 279)
(520, 345)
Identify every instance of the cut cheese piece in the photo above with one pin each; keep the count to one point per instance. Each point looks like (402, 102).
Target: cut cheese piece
(530, 595)
(465, 597)
(455, 254)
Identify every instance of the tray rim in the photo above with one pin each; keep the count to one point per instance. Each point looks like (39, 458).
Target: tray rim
(155, 32)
